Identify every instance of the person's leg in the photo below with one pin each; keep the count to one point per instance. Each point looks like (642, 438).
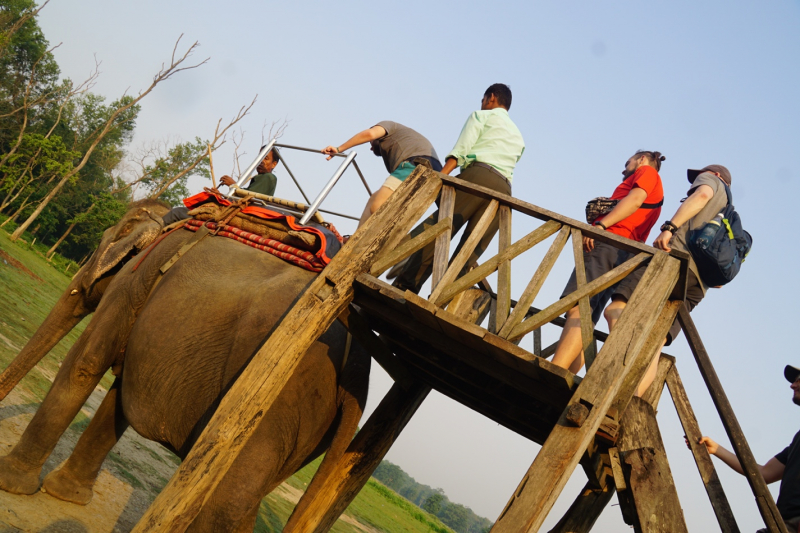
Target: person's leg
(374, 203)
(694, 293)
(569, 352)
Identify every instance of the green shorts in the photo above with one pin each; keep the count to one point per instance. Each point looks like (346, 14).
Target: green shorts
(399, 175)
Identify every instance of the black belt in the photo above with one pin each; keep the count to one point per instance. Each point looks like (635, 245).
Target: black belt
(489, 167)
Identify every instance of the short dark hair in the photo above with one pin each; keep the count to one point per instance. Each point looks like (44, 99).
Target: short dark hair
(654, 159)
(275, 155)
(502, 92)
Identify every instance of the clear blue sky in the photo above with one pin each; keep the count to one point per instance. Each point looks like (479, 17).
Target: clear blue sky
(702, 82)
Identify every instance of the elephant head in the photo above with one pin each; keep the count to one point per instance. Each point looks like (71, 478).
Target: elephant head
(139, 226)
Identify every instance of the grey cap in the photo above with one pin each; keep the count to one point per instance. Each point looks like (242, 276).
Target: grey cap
(791, 373)
(724, 173)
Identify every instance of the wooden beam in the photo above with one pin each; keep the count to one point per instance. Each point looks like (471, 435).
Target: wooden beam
(585, 510)
(650, 350)
(650, 502)
(766, 505)
(569, 301)
(376, 347)
(441, 253)
(562, 450)
(364, 454)
(253, 393)
(330, 495)
(722, 508)
(485, 269)
(543, 214)
(588, 347)
(392, 257)
(469, 246)
(521, 308)
(504, 268)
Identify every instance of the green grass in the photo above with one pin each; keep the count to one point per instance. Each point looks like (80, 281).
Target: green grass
(25, 301)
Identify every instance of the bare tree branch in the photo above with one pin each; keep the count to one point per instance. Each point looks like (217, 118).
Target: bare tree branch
(162, 75)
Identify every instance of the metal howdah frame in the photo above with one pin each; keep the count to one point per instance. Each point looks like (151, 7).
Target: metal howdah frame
(349, 158)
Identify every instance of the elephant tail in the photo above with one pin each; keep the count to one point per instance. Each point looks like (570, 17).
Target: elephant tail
(351, 398)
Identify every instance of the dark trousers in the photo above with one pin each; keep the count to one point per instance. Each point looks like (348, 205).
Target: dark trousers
(468, 210)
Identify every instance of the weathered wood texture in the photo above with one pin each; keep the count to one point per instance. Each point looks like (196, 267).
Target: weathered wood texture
(461, 258)
(243, 407)
(392, 257)
(588, 346)
(562, 450)
(336, 489)
(584, 511)
(568, 302)
(504, 268)
(441, 253)
(650, 502)
(722, 508)
(650, 350)
(766, 505)
(485, 269)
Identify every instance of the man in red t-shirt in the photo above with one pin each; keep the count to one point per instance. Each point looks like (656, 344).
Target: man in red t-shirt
(640, 197)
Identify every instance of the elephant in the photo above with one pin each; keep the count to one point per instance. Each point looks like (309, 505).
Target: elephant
(138, 227)
(177, 342)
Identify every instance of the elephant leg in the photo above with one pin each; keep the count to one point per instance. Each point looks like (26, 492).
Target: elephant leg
(73, 482)
(87, 361)
(262, 466)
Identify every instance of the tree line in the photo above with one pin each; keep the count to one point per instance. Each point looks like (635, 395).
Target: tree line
(66, 168)
(456, 516)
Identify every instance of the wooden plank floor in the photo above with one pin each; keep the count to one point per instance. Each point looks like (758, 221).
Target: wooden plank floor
(488, 374)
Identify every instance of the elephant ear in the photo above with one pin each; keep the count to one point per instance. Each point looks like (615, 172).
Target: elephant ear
(134, 232)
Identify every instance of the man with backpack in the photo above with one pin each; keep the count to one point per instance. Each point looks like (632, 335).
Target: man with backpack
(707, 198)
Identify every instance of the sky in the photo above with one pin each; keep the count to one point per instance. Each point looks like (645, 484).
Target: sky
(703, 82)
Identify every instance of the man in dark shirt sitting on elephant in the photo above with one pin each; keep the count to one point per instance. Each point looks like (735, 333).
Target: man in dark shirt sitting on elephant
(265, 181)
(262, 183)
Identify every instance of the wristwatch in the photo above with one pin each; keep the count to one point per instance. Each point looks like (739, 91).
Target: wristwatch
(669, 226)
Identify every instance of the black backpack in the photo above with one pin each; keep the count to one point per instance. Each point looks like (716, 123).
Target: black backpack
(720, 247)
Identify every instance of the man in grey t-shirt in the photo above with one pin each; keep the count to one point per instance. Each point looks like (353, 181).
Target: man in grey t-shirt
(401, 149)
(706, 198)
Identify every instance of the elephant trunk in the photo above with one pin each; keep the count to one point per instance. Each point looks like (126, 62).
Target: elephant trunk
(70, 309)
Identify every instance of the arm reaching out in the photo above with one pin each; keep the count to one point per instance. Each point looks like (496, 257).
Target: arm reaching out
(772, 471)
(688, 209)
(625, 208)
(368, 135)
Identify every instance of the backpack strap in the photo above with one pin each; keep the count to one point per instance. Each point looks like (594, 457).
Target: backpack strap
(652, 206)
(728, 192)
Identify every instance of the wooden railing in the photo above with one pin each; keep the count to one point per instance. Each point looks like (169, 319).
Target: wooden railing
(514, 319)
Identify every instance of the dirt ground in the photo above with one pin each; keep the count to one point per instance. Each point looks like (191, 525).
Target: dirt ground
(131, 477)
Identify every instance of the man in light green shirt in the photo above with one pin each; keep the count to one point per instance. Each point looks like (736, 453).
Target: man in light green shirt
(487, 151)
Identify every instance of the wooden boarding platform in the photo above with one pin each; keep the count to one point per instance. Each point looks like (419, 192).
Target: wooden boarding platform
(487, 373)
(439, 343)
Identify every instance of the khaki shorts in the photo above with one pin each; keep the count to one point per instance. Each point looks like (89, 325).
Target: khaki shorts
(392, 183)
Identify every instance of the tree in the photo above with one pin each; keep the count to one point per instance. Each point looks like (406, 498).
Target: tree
(433, 504)
(127, 105)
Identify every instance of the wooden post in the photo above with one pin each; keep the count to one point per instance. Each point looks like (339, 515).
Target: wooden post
(327, 497)
(722, 508)
(650, 503)
(585, 510)
(503, 269)
(766, 505)
(587, 325)
(243, 407)
(441, 251)
(562, 450)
